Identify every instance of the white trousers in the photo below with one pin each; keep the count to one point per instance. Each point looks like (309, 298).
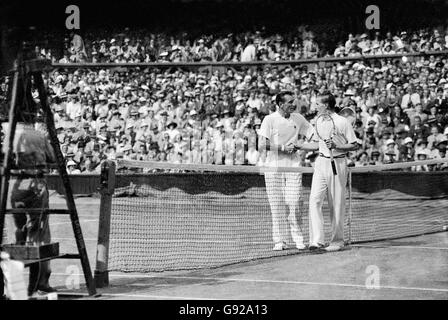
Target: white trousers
(325, 183)
(284, 190)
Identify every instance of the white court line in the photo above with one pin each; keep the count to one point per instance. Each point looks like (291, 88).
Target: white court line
(69, 222)
(153, 296)
(248, 243)
(396, 246)
(328, 284)
(72, 239)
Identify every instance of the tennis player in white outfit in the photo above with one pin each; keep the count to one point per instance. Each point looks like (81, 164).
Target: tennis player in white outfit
(279, 135)
(325, 182)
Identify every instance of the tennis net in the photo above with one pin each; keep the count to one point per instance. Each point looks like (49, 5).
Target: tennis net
(182, 217)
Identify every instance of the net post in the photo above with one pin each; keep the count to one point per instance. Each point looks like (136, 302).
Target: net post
(349, 206)
(106, 189)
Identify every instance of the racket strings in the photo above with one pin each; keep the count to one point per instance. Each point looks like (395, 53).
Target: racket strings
(325, 127)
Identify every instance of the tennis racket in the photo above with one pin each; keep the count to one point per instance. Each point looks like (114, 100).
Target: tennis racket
(325, 130)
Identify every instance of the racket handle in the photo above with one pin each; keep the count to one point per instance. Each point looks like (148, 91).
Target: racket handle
(333, 166)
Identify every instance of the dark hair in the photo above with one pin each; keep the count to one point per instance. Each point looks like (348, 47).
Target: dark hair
(281, 96)
(329, 99)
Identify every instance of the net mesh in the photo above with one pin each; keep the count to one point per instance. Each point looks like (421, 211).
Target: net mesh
(200, 218)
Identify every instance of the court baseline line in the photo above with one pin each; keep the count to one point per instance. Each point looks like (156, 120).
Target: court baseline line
(152, 296)
(328, 284)
(69, 222)
(252, 242)
(396, 247)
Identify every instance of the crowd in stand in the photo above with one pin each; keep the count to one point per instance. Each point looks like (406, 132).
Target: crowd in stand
(399, 108)
(133, 46)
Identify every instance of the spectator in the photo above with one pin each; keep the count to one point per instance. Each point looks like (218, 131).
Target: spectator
(134, 107)
(390, 152)
(407, 151)
(249, 53)
(418, 130)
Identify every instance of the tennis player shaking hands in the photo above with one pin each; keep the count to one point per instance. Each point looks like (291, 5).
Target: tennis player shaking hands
(279, 136)
(333, 137)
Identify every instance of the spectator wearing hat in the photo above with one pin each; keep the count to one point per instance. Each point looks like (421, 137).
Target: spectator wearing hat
(422, 144)
(163, 121)
(390, 153)
(441, 147)
(72, 167)
(374, 158)
(172, 131)
(407, 151)
(421, 154)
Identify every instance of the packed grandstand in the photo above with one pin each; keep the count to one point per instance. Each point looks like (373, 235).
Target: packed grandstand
(200, 98)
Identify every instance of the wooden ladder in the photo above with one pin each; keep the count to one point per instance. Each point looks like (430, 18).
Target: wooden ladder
(32, 69)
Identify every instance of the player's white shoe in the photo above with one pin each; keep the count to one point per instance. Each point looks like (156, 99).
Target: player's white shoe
(280, 246)
(300, 246)
(333, 248)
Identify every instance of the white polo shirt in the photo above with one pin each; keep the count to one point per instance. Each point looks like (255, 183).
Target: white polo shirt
(280, 130)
